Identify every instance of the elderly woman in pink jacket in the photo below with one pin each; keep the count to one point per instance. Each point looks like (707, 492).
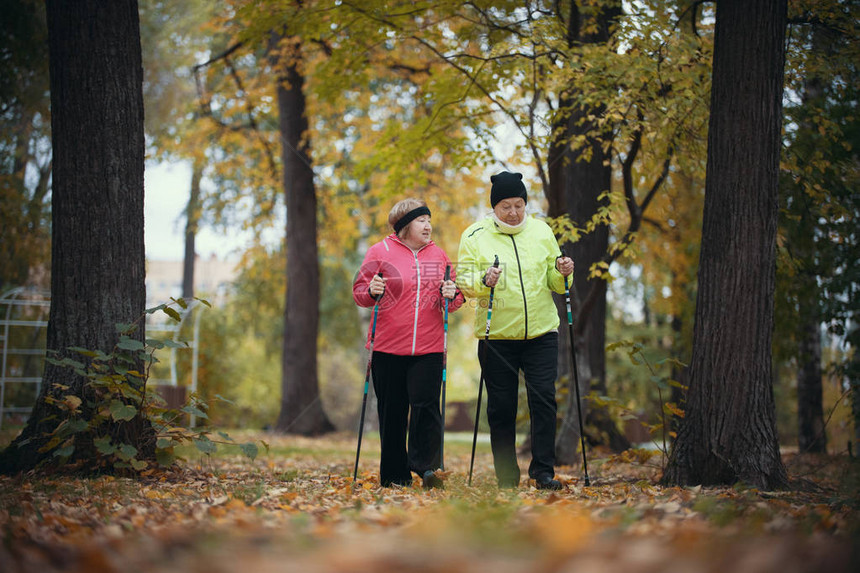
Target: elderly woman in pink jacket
(407, 270)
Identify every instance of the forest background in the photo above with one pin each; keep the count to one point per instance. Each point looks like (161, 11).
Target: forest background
(606, 117)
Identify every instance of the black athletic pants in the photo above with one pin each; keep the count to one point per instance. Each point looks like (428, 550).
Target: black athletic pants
(501, 361)
(407, 393)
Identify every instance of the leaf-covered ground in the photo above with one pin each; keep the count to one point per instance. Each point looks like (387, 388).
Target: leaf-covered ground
(296, 508)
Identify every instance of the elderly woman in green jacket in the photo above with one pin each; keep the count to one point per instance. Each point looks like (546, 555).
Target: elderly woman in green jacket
(524, 329)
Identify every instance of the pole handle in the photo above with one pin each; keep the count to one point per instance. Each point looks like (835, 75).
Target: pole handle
(376, 297)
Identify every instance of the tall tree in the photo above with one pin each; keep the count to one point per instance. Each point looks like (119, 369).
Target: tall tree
(816, 276)
(301, 409)
(580, 177)
(192, 221)
(801, 234)
(729, 432)
(97, 271)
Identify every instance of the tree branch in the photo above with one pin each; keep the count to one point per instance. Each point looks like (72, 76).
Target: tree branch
(627, 173)
(636, 217)
(205, 102)
(223, 55)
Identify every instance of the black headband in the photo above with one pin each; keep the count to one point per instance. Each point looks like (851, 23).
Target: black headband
(410, 216)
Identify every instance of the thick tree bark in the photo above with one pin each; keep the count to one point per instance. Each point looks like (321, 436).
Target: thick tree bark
(301, 409)
(97, 270)
(729, 433)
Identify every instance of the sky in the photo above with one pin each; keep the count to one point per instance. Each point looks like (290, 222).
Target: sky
(166, 188)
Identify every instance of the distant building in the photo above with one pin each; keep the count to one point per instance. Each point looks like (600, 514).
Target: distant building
(212, 280)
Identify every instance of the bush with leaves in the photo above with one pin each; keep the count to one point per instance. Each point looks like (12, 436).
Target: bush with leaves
(117, 392)
(669, 411)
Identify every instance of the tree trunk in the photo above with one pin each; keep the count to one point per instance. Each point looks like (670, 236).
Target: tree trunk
(301, 409)
(853, 376)
(811, 436)
(729, 433)
(583, 181)
(192, 219)
(97, 270)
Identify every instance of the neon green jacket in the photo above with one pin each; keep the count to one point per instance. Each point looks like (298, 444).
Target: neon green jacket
(523, 307)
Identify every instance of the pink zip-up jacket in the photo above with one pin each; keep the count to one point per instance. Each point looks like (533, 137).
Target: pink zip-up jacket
(410, 319)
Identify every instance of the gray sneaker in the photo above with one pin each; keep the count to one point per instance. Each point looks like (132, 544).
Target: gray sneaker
(547, 482)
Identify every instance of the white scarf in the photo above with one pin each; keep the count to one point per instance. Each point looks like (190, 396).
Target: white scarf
(510, 229)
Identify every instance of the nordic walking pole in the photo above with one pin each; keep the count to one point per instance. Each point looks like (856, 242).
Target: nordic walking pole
(575, 377)
(481, 380)
(366, 385)
(444, 372)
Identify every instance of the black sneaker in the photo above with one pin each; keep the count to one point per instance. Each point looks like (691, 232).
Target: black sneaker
(547, 482)
(431, 480)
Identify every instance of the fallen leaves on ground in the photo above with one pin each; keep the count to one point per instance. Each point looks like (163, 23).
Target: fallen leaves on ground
(301, 511)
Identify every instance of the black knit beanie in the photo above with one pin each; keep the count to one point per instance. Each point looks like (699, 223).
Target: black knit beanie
(507, 185)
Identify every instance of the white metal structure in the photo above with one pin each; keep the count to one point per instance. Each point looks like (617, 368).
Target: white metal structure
(23, 312)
